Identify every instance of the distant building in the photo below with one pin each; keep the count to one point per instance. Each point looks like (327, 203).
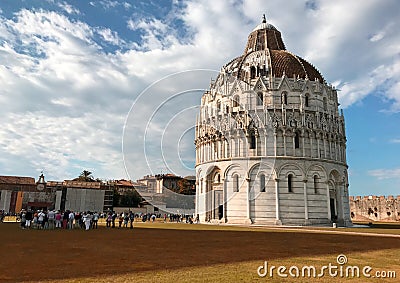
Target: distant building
(18, 193)
(162, 193)
(157, 183)
(374, 208)
(82, 196)
(150, 184)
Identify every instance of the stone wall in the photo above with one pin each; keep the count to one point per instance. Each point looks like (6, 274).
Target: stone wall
(375, 208)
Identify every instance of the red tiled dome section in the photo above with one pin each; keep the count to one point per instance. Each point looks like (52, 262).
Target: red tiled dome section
(292, 65)
(265, 37)
(261, 39)
(311, 70)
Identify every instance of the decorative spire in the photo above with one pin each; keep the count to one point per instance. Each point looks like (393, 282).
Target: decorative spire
(264, 20)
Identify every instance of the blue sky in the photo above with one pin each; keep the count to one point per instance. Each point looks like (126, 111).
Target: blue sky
(75, 74)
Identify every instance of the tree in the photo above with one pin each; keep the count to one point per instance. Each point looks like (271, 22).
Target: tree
(127, 199)
(185, 187)
(85, 176)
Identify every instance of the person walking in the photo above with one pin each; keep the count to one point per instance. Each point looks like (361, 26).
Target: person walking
(131, 219)
(35, 219)
(28, 219)
(71, 218)
(23, 218)
(120, 220)
(126, 219)
(108, 220)
(65, 219)
(95, 220)
(114, 216)
(78, 220)
(45, 223)
(40, 220)
(58, 219)
(51, 215)
(87, 218)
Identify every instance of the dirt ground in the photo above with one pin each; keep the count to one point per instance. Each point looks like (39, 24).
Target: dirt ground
(33, 255)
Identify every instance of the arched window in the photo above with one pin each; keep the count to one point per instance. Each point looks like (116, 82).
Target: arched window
(235, 101)
(260, 98)
(284, 98)
(252, 141)
(296, 140)
(290, 183)
(325, 104)
(252, 72)
(262, 183)
(306, 100)
(315, 184)
(217, 178)
(218, 106)
(235, 183)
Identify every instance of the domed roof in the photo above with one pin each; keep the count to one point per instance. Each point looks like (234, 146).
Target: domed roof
(284, 62)
(264, 25)
(265, 41)
(264, 36)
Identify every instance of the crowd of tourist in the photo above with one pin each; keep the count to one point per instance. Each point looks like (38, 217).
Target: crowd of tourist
(72, 220)
(52, 219)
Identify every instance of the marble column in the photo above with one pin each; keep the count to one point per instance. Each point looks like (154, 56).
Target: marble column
(277, 215)
(305, 200)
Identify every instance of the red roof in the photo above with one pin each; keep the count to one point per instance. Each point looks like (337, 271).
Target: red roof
(17, 180)
(123, 182)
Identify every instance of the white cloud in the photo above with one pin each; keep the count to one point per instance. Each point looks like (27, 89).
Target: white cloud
(157, 35)
(382, 174)
(110, 36)
(68, 8)
(108, 4)
(65, 99)
(126, 5)
(394, 141)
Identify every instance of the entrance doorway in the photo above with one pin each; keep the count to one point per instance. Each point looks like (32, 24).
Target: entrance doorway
(220, 212)
(333, 210)
(215, 195)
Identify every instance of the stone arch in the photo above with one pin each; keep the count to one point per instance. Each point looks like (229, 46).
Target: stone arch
(211, 172)
(230, 171)
(263, 165)
(333, 202)
(336, 195)
(311, 171)
(214, 189)
(292, 184)
(335, 176)
(231, 167)
(316, 177)
(254, 173)
(284, 166)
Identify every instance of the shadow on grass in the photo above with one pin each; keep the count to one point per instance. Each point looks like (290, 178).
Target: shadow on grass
(40, 255)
